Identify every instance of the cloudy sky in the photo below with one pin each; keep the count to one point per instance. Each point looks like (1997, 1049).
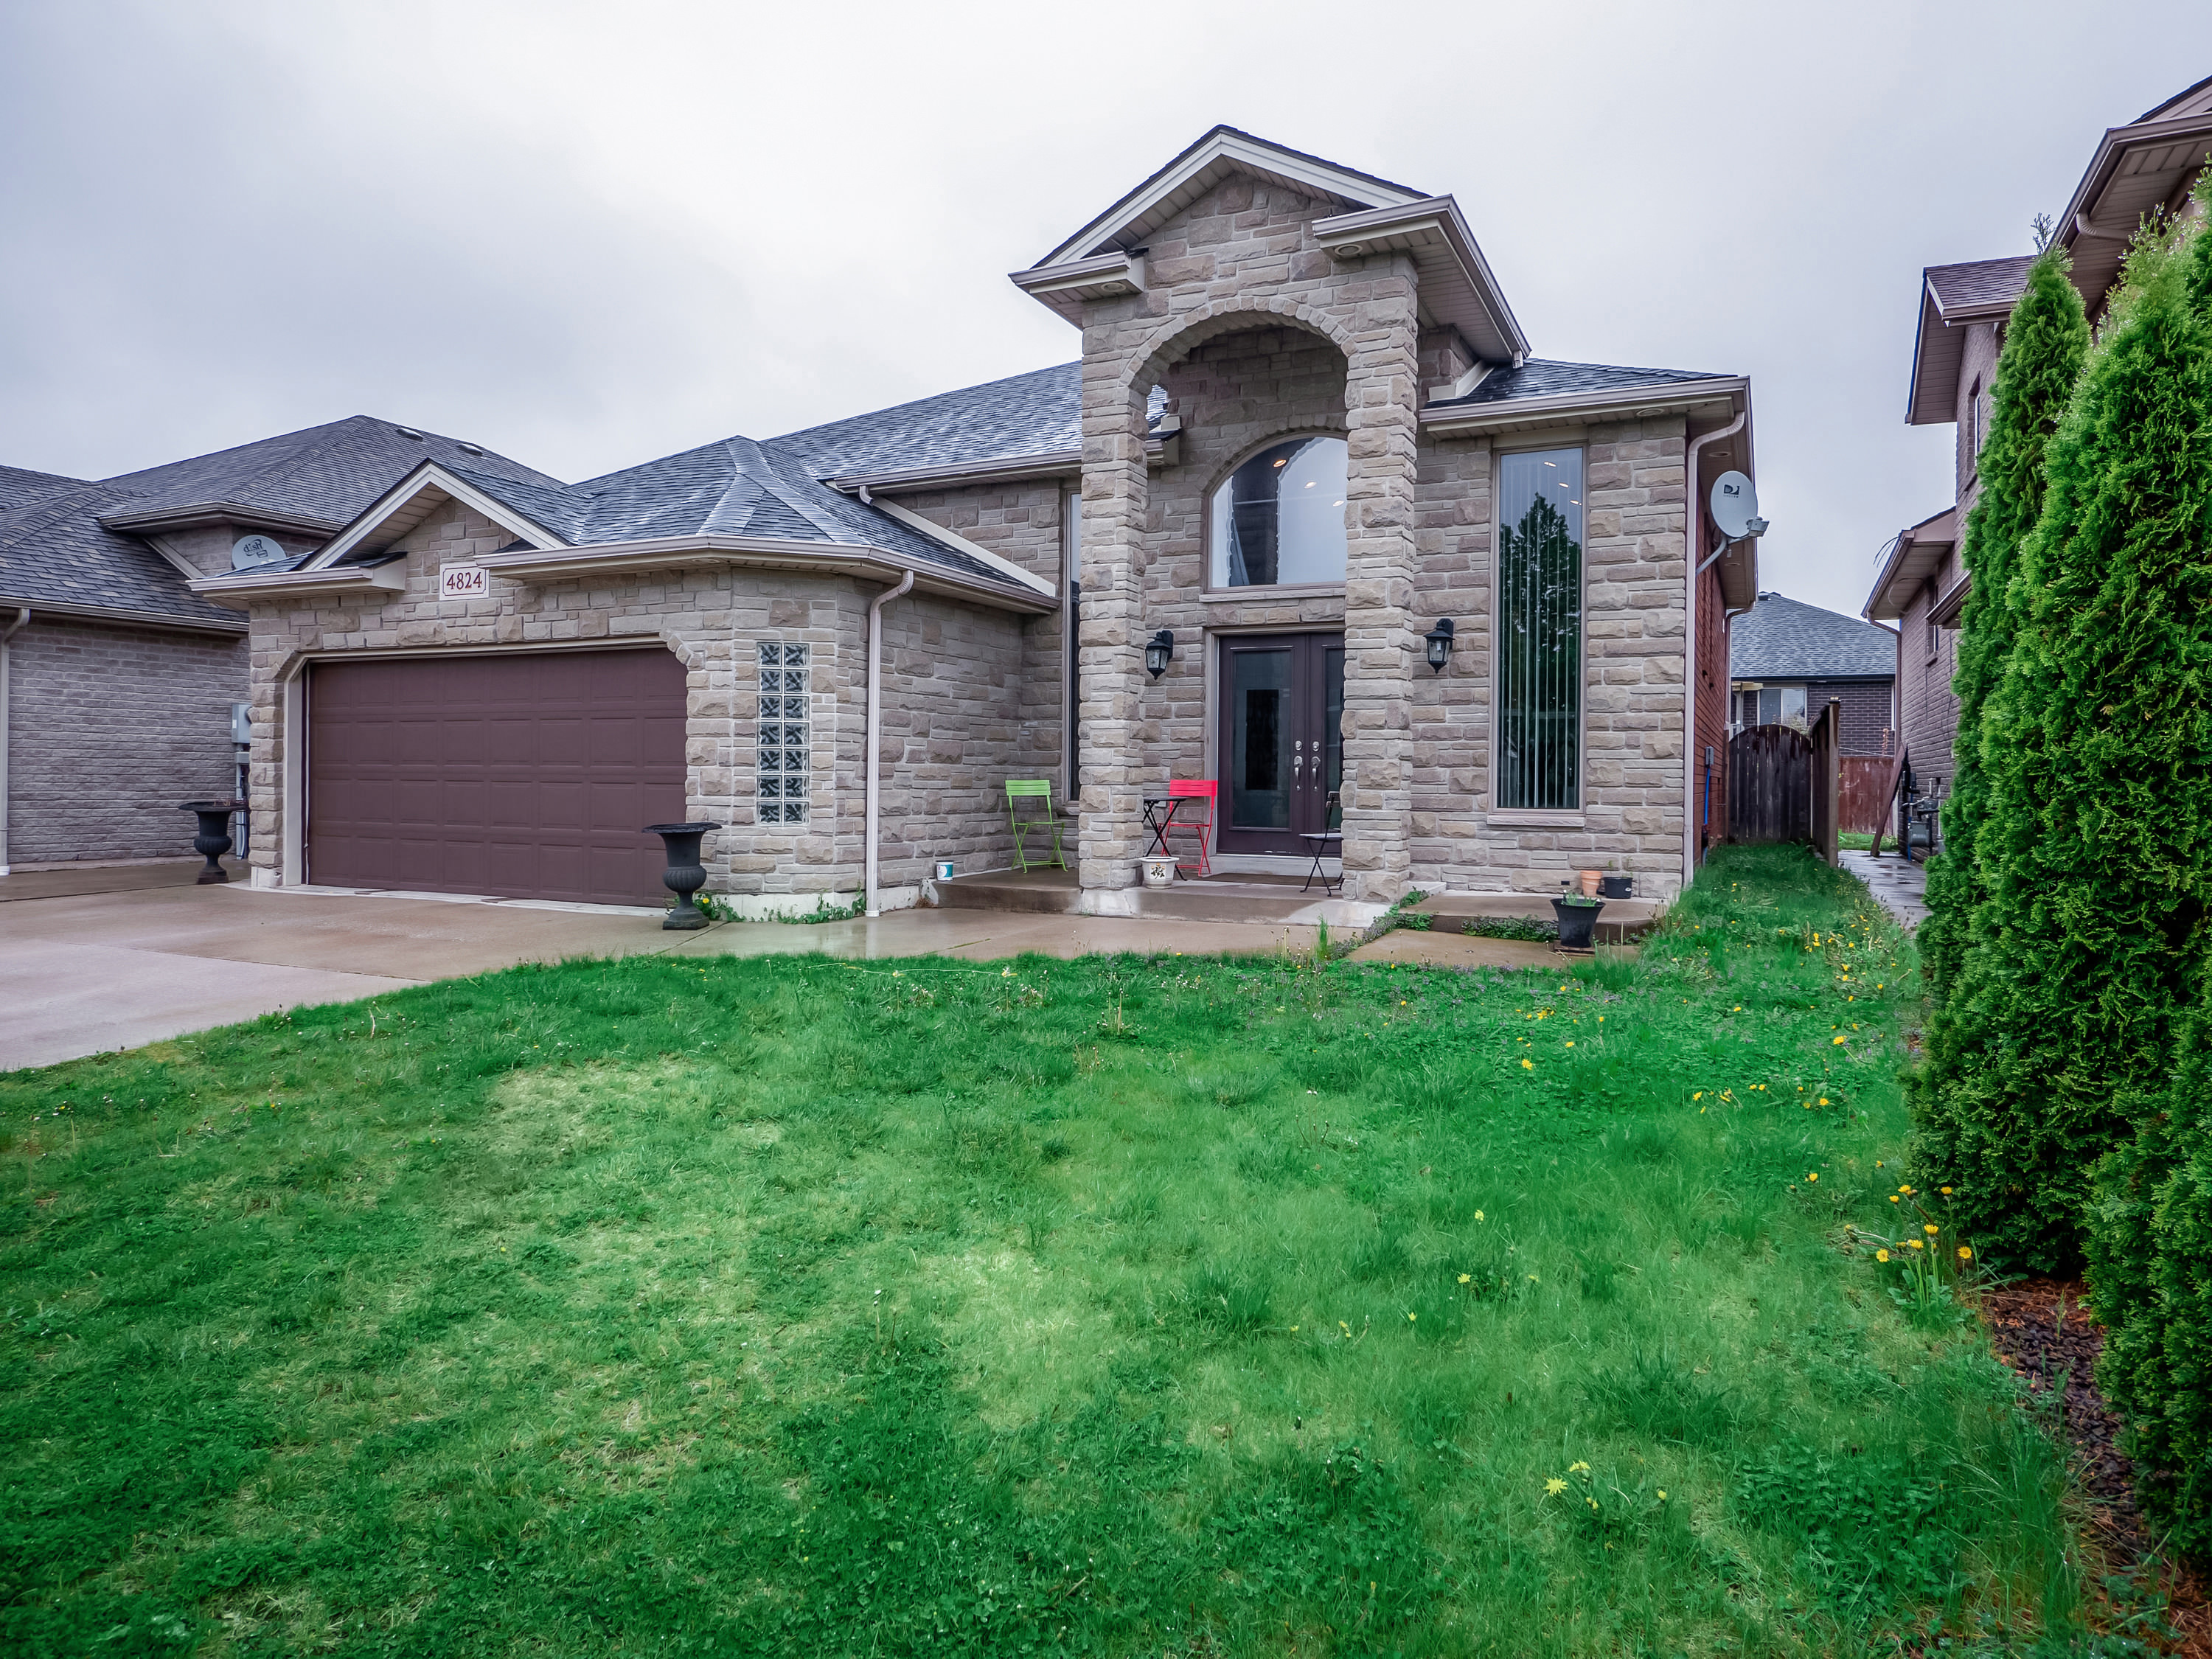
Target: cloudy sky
(590, 234)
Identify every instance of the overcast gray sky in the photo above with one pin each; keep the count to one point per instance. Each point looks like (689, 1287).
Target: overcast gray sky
(590, 234)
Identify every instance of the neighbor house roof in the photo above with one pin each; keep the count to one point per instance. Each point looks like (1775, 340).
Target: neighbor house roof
(1784, 639)
(1915, 556)
(2137, 169)
(1951, 296)
(76, 545)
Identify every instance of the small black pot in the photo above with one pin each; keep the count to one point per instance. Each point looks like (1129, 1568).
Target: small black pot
(1577, 924)
(1615, 886)
(684, 875)
(214, 838)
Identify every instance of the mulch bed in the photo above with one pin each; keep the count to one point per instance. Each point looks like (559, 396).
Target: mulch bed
(2038, 1327)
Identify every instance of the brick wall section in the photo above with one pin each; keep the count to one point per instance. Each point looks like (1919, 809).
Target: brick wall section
(1928, 712)
(1868, 714)
(951, 726)
(108, 728)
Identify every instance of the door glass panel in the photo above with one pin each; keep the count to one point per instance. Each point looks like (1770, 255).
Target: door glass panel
(1260, 738)
(1332, 715)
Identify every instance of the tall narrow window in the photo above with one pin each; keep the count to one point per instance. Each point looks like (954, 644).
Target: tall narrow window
(1539, 629)
(784, 766)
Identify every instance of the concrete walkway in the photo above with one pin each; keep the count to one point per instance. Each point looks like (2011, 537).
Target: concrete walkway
(1901, 887)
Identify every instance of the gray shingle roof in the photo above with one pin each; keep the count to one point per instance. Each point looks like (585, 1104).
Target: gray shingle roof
(1030, 413)
(56, 552)
(1542, 377)
(329, 473)
(54, 548)
(19, 484)
(735, 487)
(1979, 282)
(1782, 639)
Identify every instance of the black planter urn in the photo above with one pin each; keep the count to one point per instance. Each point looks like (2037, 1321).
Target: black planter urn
(684, 875)
(214, 838)
(1577, 923)
(1616, 886)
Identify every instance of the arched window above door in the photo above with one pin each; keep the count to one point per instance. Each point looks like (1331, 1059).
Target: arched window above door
(1277, 520)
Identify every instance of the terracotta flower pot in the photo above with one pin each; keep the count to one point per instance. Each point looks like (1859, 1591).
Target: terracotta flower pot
(1589, 879)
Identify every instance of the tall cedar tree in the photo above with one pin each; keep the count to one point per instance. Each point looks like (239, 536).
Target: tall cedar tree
(2150, 1235)
(2096, 747)
(2045, 343)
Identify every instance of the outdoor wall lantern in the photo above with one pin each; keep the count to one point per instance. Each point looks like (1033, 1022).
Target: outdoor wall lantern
(1159, 651)
(1440, 644)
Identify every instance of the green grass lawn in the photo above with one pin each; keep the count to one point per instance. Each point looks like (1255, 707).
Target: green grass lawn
(1179, 1306)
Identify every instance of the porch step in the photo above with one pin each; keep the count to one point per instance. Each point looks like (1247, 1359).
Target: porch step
(1214, 898)
(1620, 922)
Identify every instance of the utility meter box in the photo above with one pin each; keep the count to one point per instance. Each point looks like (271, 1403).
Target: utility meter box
(241, 723)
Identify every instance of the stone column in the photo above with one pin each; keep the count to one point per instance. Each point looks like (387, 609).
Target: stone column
(1111, 660)
(1382, 642)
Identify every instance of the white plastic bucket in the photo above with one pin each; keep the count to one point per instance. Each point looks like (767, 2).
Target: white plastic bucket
(945, 869)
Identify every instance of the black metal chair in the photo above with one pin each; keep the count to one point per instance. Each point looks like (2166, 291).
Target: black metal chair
(1326, 843)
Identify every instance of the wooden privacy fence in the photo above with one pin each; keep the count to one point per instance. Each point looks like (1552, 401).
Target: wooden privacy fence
(1868, 782)
(1770, 785)
(1827, 781)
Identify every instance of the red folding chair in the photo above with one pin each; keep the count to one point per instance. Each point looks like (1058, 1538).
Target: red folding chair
(1193, 822)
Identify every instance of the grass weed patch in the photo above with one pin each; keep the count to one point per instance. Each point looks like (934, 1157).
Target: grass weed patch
(1124, 1306)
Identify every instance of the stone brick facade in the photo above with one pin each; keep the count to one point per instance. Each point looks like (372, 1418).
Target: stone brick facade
(954, 679)
(108, 729)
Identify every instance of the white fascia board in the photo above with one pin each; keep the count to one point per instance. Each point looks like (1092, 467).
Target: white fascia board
(1236, 149)
(1107, 275)
(1448, 420)
(116, 613)
(430, 475)
(199, 514)
(759, 552)
(243, 591)
(1466, 383)
(938, 533)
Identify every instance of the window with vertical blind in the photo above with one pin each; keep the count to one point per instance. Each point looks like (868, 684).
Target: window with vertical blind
(1539, 629)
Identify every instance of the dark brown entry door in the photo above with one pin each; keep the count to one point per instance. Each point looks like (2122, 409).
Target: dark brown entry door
(1281, 738)
(525, 775)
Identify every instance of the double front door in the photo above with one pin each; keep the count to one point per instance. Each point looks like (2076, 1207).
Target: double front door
(1281, 743)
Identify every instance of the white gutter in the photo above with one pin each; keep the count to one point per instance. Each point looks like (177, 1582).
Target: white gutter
(874, 906)
(22, 615)
(1693, 520)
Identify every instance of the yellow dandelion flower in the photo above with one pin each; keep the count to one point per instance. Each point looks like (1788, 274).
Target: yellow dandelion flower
(1571, 1043)
(1906, 1190)
(1578, 1469)
(1914, 1242)
(1823, 1101)
(1965, 1254)
(1411, 1317)
(1700, 1095)
(1662, 1494)
(1478, 1215)
(1527, 1064)
(1812, 1175)
(1839, 1040)
(1930, 1229)
(1554, 1486)
(1881, 1255)
(1892, 1198)
(1945, 1191)
(1464, 1277)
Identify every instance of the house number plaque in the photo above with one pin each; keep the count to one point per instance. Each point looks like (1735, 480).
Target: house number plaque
(462, 581)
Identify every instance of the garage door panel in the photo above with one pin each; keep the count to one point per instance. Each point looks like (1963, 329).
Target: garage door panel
(524, 776)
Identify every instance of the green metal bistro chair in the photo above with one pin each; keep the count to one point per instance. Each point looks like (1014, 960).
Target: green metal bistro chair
(1021, 789)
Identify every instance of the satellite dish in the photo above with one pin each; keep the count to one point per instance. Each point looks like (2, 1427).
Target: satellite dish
(249, 551)
(1735, 504)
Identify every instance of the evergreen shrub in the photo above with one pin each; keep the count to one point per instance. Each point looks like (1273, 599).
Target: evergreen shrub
(2096, 747)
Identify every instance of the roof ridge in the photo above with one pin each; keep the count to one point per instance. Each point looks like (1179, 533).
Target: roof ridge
(768, 481)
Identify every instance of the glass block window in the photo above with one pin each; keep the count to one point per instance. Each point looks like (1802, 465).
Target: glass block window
(783, 765)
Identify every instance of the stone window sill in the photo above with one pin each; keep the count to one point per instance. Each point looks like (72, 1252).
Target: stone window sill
(1268, 595)
(1514, 817)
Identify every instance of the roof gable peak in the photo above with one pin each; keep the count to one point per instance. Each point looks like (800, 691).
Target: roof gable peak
(1217, 155)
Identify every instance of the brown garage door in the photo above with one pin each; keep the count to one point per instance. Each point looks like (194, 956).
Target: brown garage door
(525, 775)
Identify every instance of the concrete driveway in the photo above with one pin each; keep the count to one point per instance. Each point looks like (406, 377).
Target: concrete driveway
(84, 971)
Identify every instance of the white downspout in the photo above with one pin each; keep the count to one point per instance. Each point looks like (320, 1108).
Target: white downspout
(875, 725)
(22, 615)
(1694, 518)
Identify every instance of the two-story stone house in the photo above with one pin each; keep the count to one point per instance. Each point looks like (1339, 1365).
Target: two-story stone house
(2146, 167)
(1381, 550)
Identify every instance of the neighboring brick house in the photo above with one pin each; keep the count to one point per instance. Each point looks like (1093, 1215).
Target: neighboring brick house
(1280, 462)
(117, 682)
(2146, 167)
(1788, 660)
